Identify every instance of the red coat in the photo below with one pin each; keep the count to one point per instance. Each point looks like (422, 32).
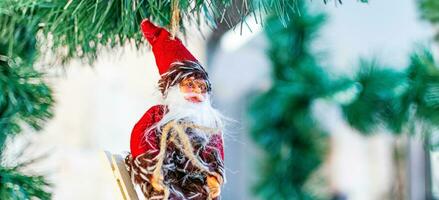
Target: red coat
(140, 144)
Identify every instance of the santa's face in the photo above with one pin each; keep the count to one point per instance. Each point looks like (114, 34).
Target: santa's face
(190, 101)
(194, 90)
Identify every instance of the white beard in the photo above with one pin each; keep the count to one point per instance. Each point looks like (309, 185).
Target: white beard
(201, 114)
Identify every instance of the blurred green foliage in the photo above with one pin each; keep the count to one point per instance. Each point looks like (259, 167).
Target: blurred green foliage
(402, 101)
(379, 99)
(280, 119)
(25, 102)
(375, 97)
(16, 186)
(429, 10)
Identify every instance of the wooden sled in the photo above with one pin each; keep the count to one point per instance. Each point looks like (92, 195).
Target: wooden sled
(115, 162)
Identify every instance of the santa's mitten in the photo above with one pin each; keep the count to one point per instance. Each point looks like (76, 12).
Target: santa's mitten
(156, 184)
(214, 186)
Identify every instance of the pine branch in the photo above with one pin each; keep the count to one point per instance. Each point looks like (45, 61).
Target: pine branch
(397, 100)
(25, 99)
(422, 97)
(423, 93)
(15, 185)
(379, 100)
(79, 29)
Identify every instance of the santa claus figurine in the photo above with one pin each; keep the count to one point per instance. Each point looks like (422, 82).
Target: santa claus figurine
(177, 147)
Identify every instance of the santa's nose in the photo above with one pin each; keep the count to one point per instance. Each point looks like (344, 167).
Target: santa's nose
(195, 98)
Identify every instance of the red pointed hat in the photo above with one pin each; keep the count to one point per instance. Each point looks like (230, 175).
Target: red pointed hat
(166, 50)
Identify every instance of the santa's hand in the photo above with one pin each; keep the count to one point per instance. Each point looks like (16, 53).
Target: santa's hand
(214, 186)
(156, 184)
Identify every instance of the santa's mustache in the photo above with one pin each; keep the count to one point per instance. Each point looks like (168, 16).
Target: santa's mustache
(194, 97)
(179, 108)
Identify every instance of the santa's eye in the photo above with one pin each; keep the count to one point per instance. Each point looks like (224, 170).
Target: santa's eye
(202, 87)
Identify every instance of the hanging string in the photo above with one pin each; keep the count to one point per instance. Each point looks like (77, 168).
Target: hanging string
(175, 18)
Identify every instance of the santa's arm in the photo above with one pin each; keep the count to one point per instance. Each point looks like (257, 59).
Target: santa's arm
(144, 149)
(214, 155)
(216, 141)
(142, 142)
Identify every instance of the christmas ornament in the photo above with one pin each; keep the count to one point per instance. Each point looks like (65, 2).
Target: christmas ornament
(177, 147)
